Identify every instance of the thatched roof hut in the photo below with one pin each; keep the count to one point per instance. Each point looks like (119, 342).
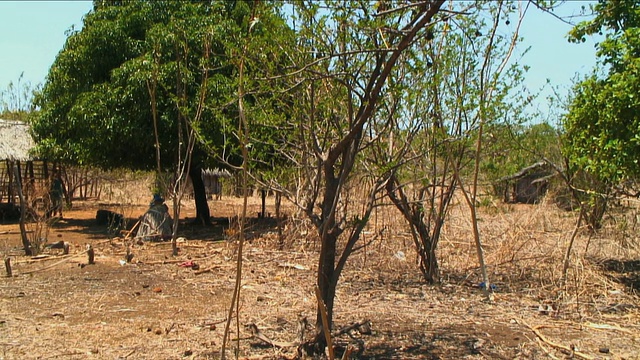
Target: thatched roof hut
(16, 144)
(527, 186)
(212, 183)
(15, 141)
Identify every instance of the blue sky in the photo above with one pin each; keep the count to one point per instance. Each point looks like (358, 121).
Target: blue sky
(33, 32)
(551, 57)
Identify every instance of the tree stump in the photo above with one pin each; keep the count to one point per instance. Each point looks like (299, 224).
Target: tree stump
(7, 266)
(129, 256)
(91, 254)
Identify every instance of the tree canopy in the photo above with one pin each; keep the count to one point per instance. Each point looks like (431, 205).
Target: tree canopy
(602, 126)
(95, 104)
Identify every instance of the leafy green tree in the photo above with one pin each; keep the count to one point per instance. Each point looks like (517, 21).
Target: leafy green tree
(602, 126)
(140, 66)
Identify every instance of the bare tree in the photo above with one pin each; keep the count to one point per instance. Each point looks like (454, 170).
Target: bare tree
(350, 51)
(441, 115)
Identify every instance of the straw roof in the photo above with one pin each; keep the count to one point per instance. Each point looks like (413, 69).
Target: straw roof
(540, 165)
(15, 141)
(216, 172)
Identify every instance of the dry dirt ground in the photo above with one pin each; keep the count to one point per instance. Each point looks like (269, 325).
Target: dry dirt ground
(161, 307)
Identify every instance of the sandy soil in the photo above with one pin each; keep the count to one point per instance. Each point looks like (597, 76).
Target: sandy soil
(164, 307)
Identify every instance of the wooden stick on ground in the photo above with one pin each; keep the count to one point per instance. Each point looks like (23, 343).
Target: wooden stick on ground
(556, 345)
(163, 262)
(209, 269)
(364, 324)
(325, 323)
(67, 258)
(43, 259)
(14, 232)
(129, 354)
(132, 228)
(257, 334)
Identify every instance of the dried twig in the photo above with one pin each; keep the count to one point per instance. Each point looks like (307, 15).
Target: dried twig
(325, 323)
(209, 269)
(608, 327)
(257, 334)
(131, 230)
(65, 354)
(66, 258)
(129, 354)
(364, 327)
(555, 345)
(163, 262)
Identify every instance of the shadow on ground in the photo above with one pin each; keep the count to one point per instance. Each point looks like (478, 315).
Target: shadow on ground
(445, 342)
(218, 230)
(626, 272)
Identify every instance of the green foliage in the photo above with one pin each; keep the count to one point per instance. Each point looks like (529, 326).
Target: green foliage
(444, 84)
(96, 102)
(602, 126)
(449, 85)
(618, 20)
(511, 147)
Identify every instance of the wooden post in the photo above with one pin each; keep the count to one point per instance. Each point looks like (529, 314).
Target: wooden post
(91, 254)
(65, 248)
(10, 171)
(45, 173)
(7, 265)
(28, 250)
(129, 255)
(31, 185)
(263, 196)
(279, 220)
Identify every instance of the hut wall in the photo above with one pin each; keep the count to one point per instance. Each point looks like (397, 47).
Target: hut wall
(528, 191)
(33, 175)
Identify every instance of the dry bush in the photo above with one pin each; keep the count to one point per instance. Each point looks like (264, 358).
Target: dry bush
(125, 187)
(124, 192)
(524, 247)
(298, 232)
(38, 222)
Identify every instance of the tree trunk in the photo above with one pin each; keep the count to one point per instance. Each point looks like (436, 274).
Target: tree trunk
(32, 181)
(203, 215)
(596, 212)
(327, 283)
(263, 209)
(279, 220)
(425, 232)
(327, 279)
(428, 258)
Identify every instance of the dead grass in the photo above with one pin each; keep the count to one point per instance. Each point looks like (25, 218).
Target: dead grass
(155, 308)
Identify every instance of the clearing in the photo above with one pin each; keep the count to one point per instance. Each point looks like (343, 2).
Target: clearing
(164, 307)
